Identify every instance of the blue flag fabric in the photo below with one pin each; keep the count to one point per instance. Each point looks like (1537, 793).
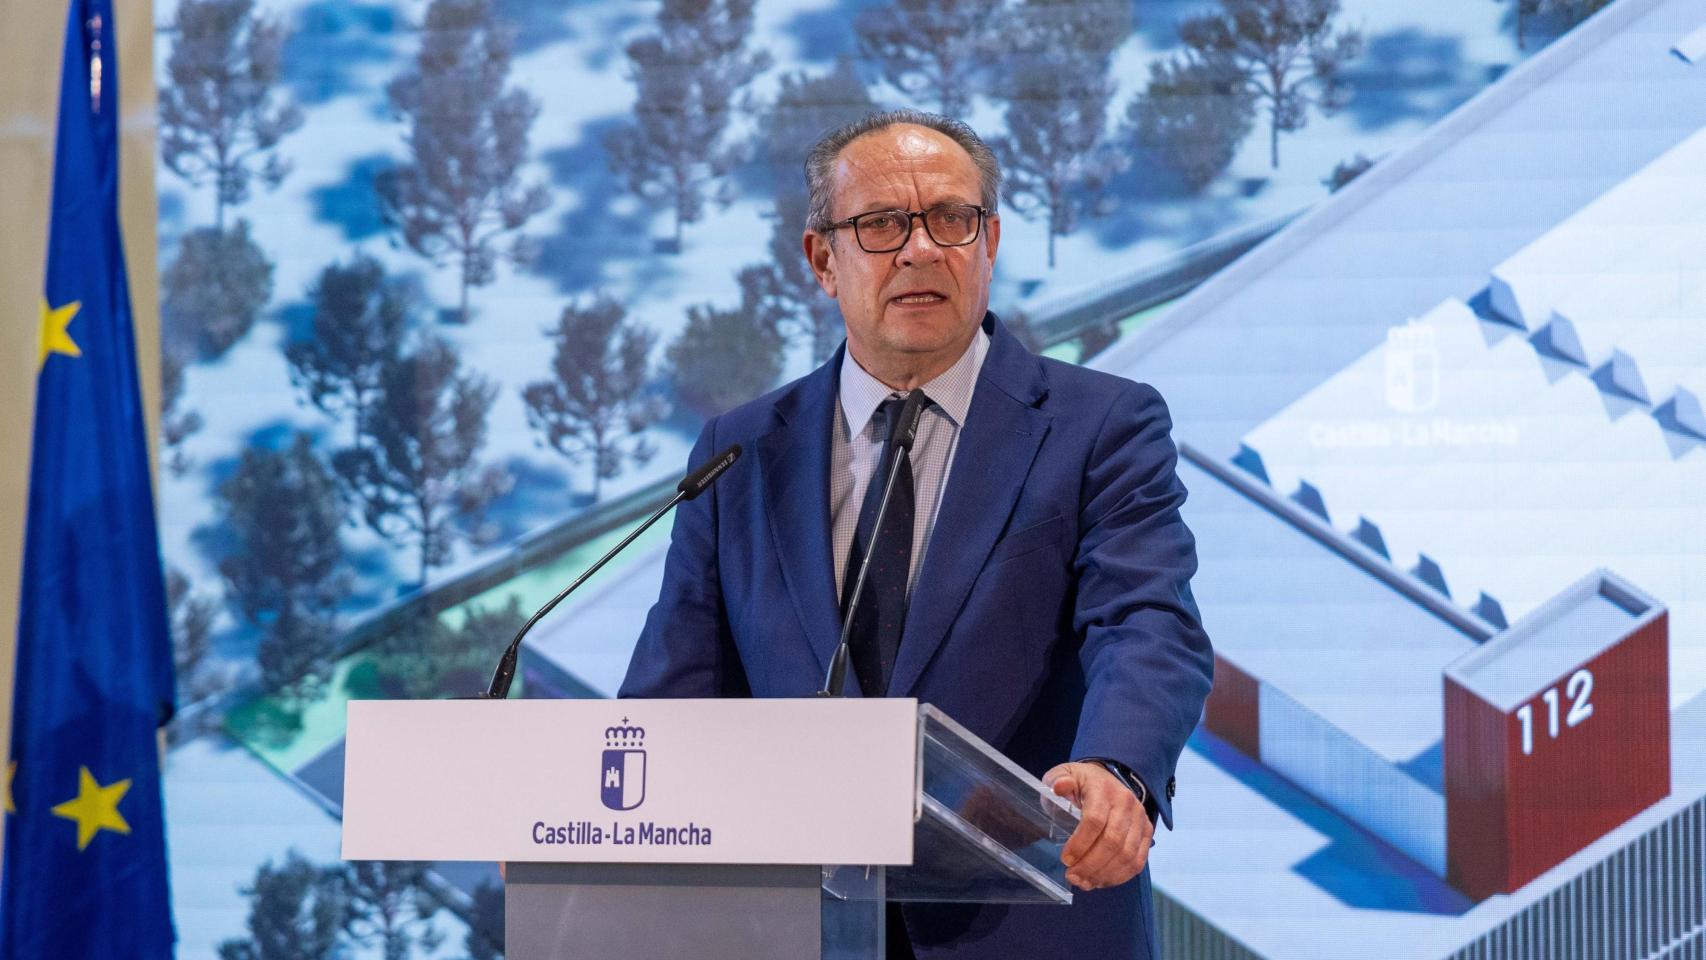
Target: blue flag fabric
(85, 855)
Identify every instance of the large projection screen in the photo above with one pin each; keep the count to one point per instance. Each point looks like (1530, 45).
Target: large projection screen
(1429, 313)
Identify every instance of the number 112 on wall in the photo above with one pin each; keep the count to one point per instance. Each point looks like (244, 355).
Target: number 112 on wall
(1578, 688)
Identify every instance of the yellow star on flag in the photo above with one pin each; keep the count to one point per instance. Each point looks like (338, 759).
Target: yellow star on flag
(95, 807)
(11, 771)
(54, 338)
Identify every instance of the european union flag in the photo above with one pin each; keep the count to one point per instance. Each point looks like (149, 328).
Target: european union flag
(85, 855)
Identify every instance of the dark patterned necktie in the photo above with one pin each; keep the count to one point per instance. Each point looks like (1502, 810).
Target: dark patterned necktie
(874, 641)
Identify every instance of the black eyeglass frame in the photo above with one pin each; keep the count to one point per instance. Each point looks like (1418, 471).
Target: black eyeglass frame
(922, 216)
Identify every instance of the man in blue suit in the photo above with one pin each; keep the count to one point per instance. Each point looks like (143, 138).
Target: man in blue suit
(1032, 575)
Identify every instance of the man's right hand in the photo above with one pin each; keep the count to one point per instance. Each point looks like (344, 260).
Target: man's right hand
(1111, 844)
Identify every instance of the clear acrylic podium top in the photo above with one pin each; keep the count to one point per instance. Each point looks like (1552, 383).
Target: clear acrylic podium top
(985, 830)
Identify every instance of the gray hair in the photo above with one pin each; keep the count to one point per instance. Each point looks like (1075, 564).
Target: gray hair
(820, 162)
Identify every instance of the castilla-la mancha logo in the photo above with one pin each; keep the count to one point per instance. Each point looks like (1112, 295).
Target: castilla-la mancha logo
(622, 785)
(1412, 367)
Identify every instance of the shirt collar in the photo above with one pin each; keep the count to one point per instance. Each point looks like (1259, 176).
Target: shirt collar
(951, 390)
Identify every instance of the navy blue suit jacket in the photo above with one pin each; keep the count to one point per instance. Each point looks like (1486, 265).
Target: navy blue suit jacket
(1053, 614)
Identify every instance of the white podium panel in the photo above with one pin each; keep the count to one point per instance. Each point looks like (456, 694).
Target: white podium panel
(808, 781)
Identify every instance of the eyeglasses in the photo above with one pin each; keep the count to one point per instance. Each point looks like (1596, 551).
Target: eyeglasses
(885, 231)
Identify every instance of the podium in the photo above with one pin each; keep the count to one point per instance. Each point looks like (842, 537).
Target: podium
(713, 829)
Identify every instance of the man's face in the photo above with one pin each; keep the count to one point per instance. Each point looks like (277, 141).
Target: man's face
(912, 311)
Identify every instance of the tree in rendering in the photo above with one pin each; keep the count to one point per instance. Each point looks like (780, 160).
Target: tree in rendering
(284, 571)
(1193, 115)
(389, 907)
(1345, 171)
(462, 190)
(221, 112)
(689, 75)
(1572, 12)
(191, 616)
(360, 315)
(176, 423)
(806, 107)
(297, 911)
(445, 655)
(1565, 14)
(214, 290)
(1521, 11)
(420, 473)
(597, 403)
(934, 51)
(726, 357)
(1291, 52)
(1054, 157)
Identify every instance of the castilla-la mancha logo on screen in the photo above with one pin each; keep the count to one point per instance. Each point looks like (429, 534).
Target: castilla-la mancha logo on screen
(1412, 367)
(622, 783)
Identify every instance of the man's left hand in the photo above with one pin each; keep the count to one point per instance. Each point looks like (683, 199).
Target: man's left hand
(1111, 844)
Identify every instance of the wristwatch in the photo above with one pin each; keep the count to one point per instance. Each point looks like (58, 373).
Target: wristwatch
(1128, 778)
(1131, 780)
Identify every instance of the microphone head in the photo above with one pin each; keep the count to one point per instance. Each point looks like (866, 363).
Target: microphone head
(906, 431)
(699, 480)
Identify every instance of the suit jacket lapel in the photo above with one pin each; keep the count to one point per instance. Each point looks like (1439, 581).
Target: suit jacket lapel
(997, 445)
(795, 465)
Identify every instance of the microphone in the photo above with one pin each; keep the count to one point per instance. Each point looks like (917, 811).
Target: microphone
(690, 487)
(696, 482)
(905, 432)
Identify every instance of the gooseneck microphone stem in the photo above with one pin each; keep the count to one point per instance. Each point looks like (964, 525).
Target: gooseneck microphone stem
(835, 682)
(505, 674)
(835, 679)
(691, 487)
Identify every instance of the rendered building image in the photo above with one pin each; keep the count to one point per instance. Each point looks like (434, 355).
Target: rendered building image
(1446, 462)
(1499, 450)
(1436, 361)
